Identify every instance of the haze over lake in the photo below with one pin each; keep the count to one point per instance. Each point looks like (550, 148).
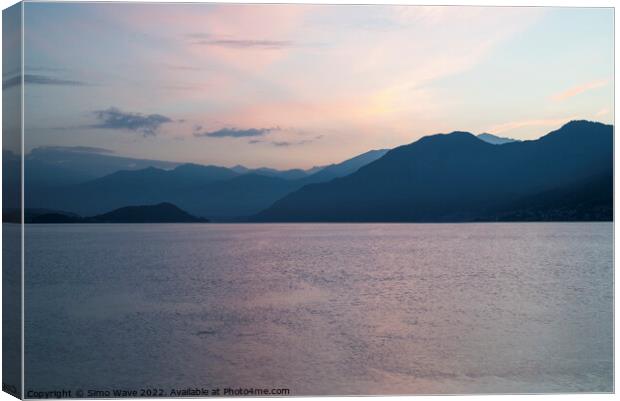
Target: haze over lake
(321, 308)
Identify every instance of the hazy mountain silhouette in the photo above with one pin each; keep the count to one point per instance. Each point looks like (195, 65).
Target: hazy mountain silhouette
(59, 165)
(160, 213)
(147, 186)
(201, 190)
(319, 173)
(449, 177)
(292, 174)
(244, 195)
(210, 191)
(496, 140)
(459, 177)
(344, 168)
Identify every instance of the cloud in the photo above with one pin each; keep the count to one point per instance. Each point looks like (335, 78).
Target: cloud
(247, 43)
(576, 90)
(82, 149)
(75, 149)
(40, 80)
(602, 112)
(234, 132)
(182, 67)
(113, 118)
(285, 143)
(198, 35)
(43, 68)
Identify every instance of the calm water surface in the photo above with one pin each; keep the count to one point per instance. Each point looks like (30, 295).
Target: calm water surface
(321, 308)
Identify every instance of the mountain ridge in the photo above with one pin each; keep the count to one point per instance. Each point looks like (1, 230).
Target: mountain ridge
(496, 140)
(468, 177)
(203, 190)
(164, 212)
(452, 177)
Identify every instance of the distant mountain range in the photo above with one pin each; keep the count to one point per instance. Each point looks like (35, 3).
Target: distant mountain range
(496, 140)
(160, 213)
(292, 174)
(345, 168)
(209, 191)
(565, 175)
(53, 166)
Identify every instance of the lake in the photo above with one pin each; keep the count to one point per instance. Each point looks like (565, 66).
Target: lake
(321, 308)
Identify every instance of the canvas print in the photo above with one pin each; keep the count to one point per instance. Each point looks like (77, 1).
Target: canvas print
(205, 199)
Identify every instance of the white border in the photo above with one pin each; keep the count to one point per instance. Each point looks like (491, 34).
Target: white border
(546, 3)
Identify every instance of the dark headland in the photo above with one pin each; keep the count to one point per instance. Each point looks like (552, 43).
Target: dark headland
(160, 213)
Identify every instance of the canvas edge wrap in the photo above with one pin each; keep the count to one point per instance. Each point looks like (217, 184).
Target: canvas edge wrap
(12, 200)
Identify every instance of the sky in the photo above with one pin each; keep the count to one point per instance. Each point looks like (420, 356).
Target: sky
(296, 86)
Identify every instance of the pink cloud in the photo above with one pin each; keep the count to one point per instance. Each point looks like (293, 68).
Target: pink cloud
(602, 112)
(576, 90)
(544, 122)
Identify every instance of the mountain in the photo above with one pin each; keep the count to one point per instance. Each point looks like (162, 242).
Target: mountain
(210, 191)
(314, 169)
(344, 168)
(54, 218)
(51, 166)
(14, 215)
(588, 200)
(186, 175)
(127, 187)
(496, 140)
(318, 173)
(160, 213)
(292, 174)
(459, 177)
(241, 196)
(239, 169)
